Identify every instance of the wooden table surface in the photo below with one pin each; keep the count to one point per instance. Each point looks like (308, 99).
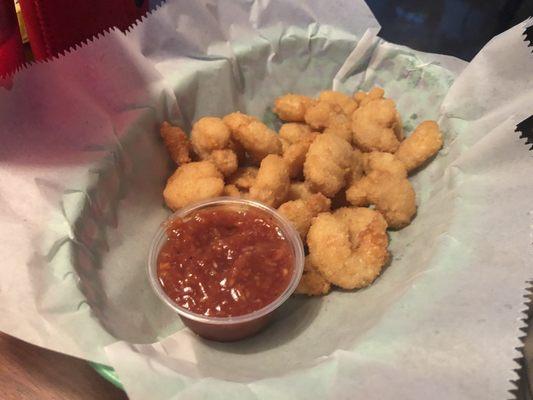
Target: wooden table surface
(28, 372)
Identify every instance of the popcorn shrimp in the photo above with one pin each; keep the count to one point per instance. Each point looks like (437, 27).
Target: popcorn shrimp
(393, 196)
(292, 107)
(420, 146)
(272, 182)
(312, 282)
(301, 212)
(176, 142)
(374, 126)
(193, 182)
(327, 164)
(258, 140)
(349, 247)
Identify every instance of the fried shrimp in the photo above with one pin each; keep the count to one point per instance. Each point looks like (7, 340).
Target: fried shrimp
(232, 191)
(312, 282)
(296, 139)
(225, 160)
(420, 146)
(357, 166)
(299, 190)
(257, 139)
(329, 115)
(239, 183)
(327, 164)
(345, 102)
(375, 126)
(209, 134)
(363, 98)
(193, 182)
(301, 212)
(349, 247)
(237, 119)
(385, 162)
(292, 107)
(211, 140)
(292, 132)
(272, 182)
(393, 196)
(176, 142)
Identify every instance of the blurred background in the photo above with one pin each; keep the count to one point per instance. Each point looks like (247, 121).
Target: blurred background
(39, 29)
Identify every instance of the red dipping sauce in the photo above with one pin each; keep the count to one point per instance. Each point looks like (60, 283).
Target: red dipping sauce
(225, 261)
(224, 265)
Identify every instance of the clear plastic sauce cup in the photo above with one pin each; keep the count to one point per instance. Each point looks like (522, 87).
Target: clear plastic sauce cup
(232, 327)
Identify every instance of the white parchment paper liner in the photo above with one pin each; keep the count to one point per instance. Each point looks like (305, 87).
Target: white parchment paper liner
(82, 172)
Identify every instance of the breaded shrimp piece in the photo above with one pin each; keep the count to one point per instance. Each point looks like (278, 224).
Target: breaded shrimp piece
(272, 182)
(363, 98)
(341, 126)
(237, 119)
(209, 134)
(299, 190)
(374, 125)
(176, 142)
(243, 178)
(232, 191)
(301, 212)
(294, 156)
(349, 247)
(292, 107)
(319, 114)
(225, 160)
(296, 139)
(420, 146)
(293, 132)
(331, 118)
(193, 182)
(385, 162)
(312, 282)
(357, 166)
(393, 196)
(327, 164)
(347, 104)
(258, 140)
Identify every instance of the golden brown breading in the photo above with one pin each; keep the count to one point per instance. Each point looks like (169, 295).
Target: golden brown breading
(237, 119)
(363, 98)
(374, 126)
(272, 182)
(209, 134)
(349, 247)
(301, 212)
(327, 164)
(420, 146)
(347, 104)
(193, 182)
(296, 139)
(385, 162)
(357, 166)
(176, 142)
(292, 107)
(293, 132)
(232, 191)
(393, 196)
(225, 160)
(299, 190)
(243, 178)
(258, 140)
(319, 114)
(312, 282)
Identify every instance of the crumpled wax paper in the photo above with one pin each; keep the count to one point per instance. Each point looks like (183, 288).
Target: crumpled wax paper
(83, 170)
